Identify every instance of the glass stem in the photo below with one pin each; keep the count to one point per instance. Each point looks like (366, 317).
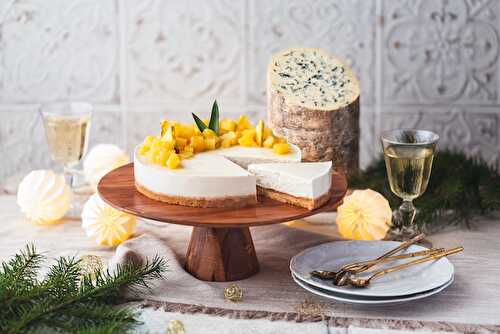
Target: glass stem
(68, 175)
(407, 215)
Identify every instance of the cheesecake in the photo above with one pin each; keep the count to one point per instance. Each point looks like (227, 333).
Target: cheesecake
(226, 166)
(208, 179)
(306, 184)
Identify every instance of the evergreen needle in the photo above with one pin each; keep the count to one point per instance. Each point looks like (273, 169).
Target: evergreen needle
(65, 301)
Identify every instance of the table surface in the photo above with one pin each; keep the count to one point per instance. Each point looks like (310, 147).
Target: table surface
(472, 302)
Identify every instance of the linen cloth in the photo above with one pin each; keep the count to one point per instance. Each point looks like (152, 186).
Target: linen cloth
(272, 292)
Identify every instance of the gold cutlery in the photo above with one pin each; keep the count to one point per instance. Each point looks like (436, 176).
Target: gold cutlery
(348, 279)
(357, 267)
(337, 275)
(395, 257)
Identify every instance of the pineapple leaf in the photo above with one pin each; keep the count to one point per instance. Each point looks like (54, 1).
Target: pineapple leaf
(214, 118)
(199, 123)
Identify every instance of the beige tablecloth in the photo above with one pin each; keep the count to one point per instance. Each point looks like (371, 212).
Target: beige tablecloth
(467, 306)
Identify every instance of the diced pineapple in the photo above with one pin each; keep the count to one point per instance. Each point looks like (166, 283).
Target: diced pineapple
(259, 133)
(169, 134)
(173, 161)
(267, 133)
(227, 125)
(211, 143)
(183, 131)
(149, 140)
(150, 155)
(247, 141)
(166, 145)
(225, 143)
(231, 137)
(207, 133)
(281, 148)
(180, 143)
(186, 155)
(269, 142)
(162, 157)
(248, 133)
(243, 123)
(164, 126)
(196, 131)
(281, 140)
(198, 143)
(188, 148)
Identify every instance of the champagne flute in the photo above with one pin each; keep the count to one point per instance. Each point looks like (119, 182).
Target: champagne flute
(67, 126)
(408, 155)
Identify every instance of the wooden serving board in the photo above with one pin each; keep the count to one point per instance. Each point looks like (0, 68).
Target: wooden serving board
(221, 246)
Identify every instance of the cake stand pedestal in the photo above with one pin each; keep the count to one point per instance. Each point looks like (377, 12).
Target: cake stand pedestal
(221, 247)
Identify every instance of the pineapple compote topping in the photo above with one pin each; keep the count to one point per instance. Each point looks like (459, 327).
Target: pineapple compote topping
(179, 141)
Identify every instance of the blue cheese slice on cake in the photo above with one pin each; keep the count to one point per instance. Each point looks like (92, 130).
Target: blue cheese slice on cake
(306, 184)
(313, 101)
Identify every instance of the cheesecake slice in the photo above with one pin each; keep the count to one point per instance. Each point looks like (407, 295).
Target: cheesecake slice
(305, 184)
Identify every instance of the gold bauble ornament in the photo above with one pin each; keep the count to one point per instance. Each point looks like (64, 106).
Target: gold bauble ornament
(364, 215)
(233, 293)
(105, 224)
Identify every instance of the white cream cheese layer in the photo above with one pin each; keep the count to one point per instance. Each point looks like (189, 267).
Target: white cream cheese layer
(306, 179)
(244, 156)
(205, 175)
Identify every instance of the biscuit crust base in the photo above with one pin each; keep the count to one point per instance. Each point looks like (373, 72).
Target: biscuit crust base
(200, 202)
(308, 203)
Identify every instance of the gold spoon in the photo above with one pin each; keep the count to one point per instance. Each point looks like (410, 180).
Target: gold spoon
(364, 282)
(336, 275)
(358, 267)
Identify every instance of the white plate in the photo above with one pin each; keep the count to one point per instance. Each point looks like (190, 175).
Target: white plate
(350, 299)
(333, 255)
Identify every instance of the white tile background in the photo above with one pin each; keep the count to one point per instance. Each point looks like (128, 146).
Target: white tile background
(430, 64)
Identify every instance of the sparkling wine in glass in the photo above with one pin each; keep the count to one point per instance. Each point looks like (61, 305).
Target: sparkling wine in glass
(67, 127)
(408, 158)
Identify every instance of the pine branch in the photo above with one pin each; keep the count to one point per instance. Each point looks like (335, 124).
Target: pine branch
(66, 302)
(19, 275)
(459, 189)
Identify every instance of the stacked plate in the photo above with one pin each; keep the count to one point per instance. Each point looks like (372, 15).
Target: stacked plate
(412, 283)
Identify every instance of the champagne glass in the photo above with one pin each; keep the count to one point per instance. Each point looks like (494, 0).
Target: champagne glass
(408, 155)
(67, 126)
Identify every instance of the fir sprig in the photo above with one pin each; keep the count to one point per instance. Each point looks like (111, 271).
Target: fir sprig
(459, 189)
(65, 301)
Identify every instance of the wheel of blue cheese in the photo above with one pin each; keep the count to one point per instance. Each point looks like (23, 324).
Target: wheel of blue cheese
(313, 101)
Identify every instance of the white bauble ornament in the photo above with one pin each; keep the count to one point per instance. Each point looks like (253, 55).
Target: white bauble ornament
(43, 196)
(105, 224)
(102, 159)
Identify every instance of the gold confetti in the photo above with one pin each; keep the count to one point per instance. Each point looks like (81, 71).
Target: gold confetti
(90, 264)
(175, 327)
(233, 293)
(309, 307)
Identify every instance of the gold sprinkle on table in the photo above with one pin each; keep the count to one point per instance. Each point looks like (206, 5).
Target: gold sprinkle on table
(309, 307)
(175, 327)
(90, 264)
(233, 293)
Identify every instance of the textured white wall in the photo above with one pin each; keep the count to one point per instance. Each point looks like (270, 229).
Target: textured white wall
(430, 64)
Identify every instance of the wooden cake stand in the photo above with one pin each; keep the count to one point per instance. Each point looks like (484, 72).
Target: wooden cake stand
(221, 247)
